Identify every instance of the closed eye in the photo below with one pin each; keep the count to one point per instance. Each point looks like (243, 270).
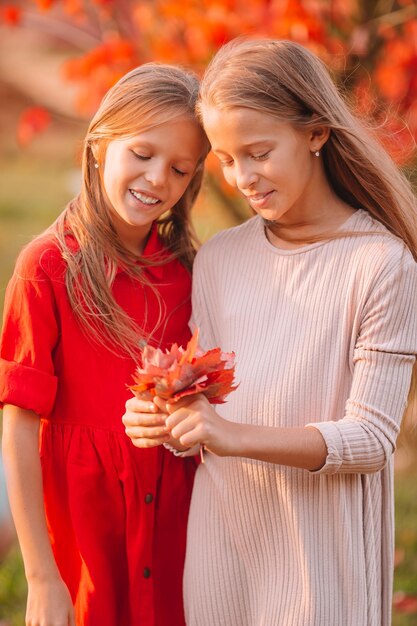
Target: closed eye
(226, 163)
(141, 157)
(261, 157)
(144, 157)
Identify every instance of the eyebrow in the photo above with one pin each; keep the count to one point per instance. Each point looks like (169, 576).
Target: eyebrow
(187, 159)
(245, 146)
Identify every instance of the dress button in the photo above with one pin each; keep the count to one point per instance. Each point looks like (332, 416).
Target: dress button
(148, 498)
(146, 572)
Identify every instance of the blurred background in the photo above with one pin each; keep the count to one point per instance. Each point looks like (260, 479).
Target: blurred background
(57, 59)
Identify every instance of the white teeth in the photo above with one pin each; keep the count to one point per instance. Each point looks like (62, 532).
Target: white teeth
(143, 198)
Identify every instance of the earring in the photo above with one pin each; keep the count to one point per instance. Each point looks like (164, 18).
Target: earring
(317, 154)
(96, 165)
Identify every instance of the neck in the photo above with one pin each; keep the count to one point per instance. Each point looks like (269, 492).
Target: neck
(133, 238)
(311, 226)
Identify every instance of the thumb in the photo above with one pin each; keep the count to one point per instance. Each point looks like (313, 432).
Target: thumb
(161, 404)
(185, 401)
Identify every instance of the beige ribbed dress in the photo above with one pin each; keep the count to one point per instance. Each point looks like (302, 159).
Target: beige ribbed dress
(323, 334)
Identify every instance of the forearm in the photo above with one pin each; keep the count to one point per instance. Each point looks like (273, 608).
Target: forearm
(24, 482)
(296, 447)
(197, 422)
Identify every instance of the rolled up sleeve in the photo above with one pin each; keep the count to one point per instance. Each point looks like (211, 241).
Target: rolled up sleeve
(29, 336)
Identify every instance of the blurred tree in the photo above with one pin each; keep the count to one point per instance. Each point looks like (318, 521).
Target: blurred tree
(371, 45)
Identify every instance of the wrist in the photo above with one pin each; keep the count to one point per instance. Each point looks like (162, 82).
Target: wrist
(42, 576)
(236, 439)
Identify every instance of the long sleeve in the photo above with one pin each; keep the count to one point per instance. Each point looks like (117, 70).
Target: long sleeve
(383, 360)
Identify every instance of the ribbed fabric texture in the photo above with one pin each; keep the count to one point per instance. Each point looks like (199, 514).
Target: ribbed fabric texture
(324, 334)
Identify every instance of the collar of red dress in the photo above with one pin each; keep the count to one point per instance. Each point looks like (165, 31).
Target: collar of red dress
(153, 246)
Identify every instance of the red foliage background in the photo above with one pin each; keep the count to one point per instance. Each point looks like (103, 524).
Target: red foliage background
(371, 45)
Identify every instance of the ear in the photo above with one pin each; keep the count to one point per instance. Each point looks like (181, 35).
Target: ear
(318, 137)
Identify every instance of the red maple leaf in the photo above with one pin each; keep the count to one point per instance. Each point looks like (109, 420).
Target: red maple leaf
(180, 372)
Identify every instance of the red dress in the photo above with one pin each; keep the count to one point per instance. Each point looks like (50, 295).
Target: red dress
(116, 514)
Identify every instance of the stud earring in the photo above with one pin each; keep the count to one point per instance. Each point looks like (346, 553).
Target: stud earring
(317, 153)
(96, 165)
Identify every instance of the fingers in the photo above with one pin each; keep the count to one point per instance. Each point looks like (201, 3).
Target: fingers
(145, 423)
(142, 413)
(177, 417)
(161, 404)
(187, 401)
(137, 405)
(193, 405)
(147, 432)
(184, 426)
(143, 442)
(147, 420)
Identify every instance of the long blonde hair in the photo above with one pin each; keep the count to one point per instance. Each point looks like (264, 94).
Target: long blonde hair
(285, 80)
(145, 97)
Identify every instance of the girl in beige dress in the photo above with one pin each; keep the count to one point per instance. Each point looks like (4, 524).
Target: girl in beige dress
(291, 521)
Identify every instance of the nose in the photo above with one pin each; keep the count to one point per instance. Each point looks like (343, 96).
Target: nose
(245, 175)
(156, 173)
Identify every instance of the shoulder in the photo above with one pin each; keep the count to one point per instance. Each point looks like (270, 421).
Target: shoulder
(40, 258)
(375, 249)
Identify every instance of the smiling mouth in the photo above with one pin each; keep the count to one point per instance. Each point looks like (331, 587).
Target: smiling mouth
(258, 196)
(145, 199)
(259, 199)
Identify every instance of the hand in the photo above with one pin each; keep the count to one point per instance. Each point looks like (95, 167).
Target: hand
(145, 423)
(193, 420)
(49, 604)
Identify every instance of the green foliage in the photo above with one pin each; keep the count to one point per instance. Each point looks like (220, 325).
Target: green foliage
(406, 535)
(12, 589)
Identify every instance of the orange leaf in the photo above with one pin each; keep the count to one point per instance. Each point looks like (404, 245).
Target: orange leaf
(191, 349)
(32, 122)
(11, 15)
(44, 5)
(180, 372)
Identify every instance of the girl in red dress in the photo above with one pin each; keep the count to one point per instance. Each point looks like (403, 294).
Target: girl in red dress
(101, 523)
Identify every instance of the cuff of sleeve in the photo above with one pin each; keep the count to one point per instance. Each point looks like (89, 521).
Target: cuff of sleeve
(27, 387)
(334, 443)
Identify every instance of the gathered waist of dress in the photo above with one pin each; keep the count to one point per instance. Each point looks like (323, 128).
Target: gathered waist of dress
(71, 424)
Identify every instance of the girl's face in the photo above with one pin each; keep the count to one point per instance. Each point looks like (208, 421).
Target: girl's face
(270, 162)
(145, 175)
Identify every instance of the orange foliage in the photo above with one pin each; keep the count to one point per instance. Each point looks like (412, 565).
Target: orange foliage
(31, 122)
(180, 372)
(10, 15)
(44, 5)
(99, 69)
(189, 32)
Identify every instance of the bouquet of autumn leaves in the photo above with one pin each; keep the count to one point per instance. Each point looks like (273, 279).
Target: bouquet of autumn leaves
(179, 372)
